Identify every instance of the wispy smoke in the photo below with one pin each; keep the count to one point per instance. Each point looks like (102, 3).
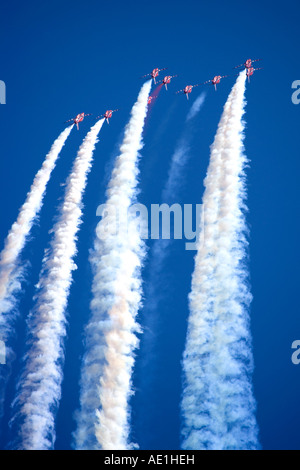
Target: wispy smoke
(39, 387)
(218, 406)
(159, 253)
(181, 155)
(176, 177)
(103, 420)
(10, 270)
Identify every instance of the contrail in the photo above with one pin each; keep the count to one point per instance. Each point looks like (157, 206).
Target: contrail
(103, 418)
(10, 270)
(39, 387)
(218, 406)
(179, 161)
(19, 231)
(181, 155)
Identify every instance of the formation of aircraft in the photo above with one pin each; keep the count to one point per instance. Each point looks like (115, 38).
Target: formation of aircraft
(248, 66)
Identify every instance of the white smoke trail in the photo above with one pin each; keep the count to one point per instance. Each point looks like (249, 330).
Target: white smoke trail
(196, 107)
(10, 271)
(218, 406)
(179, 161)
(170, 192)
(102, 421)
(181, 155)
(19, 231)
(39, 388)
(160, 251)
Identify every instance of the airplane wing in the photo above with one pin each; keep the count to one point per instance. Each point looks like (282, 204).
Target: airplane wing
(204, 83)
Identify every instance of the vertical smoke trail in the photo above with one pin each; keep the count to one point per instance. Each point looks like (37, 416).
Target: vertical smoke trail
(16, 238)
(146, 363)
(218, 406)
(39, 388)
(110, 335)
(10, 271)
(181, 155)
(160, 249)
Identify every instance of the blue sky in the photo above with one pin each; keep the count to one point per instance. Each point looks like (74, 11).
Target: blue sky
(62, 58)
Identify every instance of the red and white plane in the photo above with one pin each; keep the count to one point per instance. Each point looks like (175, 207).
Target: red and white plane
(107, 115)
(251, 71)
(187, 90)
(151, 98)
(247, 64)
(167, 80)
(79, 118)
(154, 74)
(215, 81)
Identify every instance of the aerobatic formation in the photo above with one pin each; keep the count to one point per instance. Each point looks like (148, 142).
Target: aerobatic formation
(218, 406)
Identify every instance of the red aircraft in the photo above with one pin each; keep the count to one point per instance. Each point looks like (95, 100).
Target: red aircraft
(167, 80)
(107, 115)
(247, 64)
(151, 98)
(251, 71)
(215, 81)
(187, 90)
(79, 118)
(154, 74)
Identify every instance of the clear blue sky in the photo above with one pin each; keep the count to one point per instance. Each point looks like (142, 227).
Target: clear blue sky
(60, 58)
